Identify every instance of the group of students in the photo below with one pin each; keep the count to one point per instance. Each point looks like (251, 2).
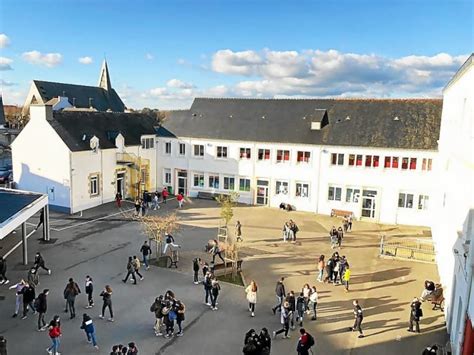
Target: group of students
(124, 350)
(168, 310)
(133, 267)
(336, 236)
(290, 229)
(337, 270)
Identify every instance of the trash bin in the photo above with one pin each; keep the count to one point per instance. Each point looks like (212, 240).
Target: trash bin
(170, 189)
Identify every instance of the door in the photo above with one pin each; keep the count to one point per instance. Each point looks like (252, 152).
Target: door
(120, 185)
(369, 202)
(50, 193)
(262, 193)
(182, 182)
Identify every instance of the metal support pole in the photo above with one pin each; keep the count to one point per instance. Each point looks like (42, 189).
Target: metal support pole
(25, 246)
(46, 236)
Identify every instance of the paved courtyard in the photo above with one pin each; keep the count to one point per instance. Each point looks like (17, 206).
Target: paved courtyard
(98, 243)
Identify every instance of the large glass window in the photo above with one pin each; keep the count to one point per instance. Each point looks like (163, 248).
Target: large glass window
(281, 187)
(244, 184)
(352, 195)
(337, 159)
(302, 189)
(214, 181)
(198, 150)
(426, 164)
(229, 183)
(334, 193)
(372, 161)
(148, 143)
(351, 159)
(198, 180)
(405, 200)
(423, 202)
(264, 154)
(221, 152)
(245, 153)
(303, 157)
(283, 156)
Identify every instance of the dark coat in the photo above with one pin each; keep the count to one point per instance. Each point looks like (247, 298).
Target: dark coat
(28, 293)
(42, 303)
(280, 289)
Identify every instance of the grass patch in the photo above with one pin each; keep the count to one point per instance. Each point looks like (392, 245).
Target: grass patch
(236, 280)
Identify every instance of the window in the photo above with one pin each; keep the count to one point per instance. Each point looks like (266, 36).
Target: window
(168, 148)
(405, 200)
(229, 183)
(408, 163)
(337, 159)
(423, 202)
(426, 164)
(283, 156)
(391, 162)
(182, 149)
(404, 163)
(244, 184)
(198, 180)
(372, 161)
(264, 154)
(281, 187)
(94, 185)
(221, 152)
(334, 193)
(198, 150)
(359, 160)
(412, 163)
(352, 195)
(214, 181)
(302, 189)
(352, 158)
(144, 175)
(245, 153)
(148, 143)
(167, 176)
(303, 157)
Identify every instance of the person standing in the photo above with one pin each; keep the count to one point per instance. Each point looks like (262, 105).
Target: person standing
(180, 199)
(216, 251)
(89, 329)
(156, 308)
(33, 277)
(291, 299)
(359, 317)
(349, 223)
(251, 291)
(305, 342)
(294, 229)
(130, 271)
(301, 307)
(54, 333)
(265, 341)
(39, 263)
(180, 310)
(137, 207)
(340, 236)
(118, 199)
(136, 266)
(3, 271)
(169, 240)
(165, 194)
(18, 294)
(207, 282)
(238, 232)
(106, 295)
(28, 293)
(196, 266)
(415, 313)
(143, 207)
(214, 294)
(146, 252)
(156, 202)
(313, 298)
(320, 268)
(89, 290)
(285, 321)
(70, 292)
(346, 277)
(280, 294)
(41, 305)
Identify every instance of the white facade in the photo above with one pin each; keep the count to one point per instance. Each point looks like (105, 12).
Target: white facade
(74, 181)
(302, 175)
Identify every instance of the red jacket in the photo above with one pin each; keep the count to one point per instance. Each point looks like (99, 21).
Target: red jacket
(55, 331)
(179, 197)
(165, 193)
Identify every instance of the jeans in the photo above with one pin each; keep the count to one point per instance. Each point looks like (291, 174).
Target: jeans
(138, 273)
(72, 309)
(41, 322)
(346, 284)
(91, 337)
(278, 305)
(315, 305)
(286, 327)
(145, 260)
(321, 274)
(220, 256)
(252, 307)
(208, 294)
(357, 324)
(180, 327)
(54, 346)
(213, 300)
(132, 274)
(25, 308)
(107, 305)
(196, 276)
(18, 302)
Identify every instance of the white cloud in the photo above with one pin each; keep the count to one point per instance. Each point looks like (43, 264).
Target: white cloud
(6, 83)
(47, 59)
(179, 84)
(242, 63)
(85, 60)
(4, 40)
(158, 91)
(5, 64)
(149, 56)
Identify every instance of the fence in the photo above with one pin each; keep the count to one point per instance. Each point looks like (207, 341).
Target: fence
(408, 249)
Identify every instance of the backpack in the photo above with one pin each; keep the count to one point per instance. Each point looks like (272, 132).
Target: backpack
(311, 341)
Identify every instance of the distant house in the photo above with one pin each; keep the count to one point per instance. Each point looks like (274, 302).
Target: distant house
(71, 96)
(81, 159)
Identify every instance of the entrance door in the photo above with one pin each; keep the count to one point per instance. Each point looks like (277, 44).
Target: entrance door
(369, 200)
(262, 192)
(120, 184)
(182, 182)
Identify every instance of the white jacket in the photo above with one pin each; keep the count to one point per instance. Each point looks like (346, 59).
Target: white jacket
(251, 295)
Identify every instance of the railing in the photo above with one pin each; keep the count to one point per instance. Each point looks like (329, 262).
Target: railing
(126, 158)
(408, 249)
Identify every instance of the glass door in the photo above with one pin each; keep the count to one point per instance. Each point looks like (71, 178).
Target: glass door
(262, 192)
(369, 200)
(182, 182)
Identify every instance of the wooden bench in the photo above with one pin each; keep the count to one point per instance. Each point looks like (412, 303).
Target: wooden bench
(437, 298)
(340, 213)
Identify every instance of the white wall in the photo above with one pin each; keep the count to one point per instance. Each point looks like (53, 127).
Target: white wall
(41, 159)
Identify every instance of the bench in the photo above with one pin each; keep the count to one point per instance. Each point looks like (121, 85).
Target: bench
(340, 213)
(437, 298)
(229, 265)
(208, 195)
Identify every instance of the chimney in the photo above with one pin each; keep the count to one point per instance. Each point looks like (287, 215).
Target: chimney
(41, 112)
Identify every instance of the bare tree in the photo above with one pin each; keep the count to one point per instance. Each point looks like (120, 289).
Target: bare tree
(155, 228)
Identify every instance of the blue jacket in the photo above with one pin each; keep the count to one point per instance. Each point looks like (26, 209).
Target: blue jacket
(87, 325)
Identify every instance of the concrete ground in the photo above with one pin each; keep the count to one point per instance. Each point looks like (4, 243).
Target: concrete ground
(98, 243)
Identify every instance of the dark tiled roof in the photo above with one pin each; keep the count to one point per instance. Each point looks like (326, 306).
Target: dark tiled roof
(79, 95)
(13, 202)
(73, 126)
(386, 123)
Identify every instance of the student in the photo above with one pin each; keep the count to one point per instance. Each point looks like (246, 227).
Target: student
(349, 223)
(89, 287)
(238, 232)
(156, 201)
(70, 292)
(118, 199)
(280, 294)
(251, 291)
(314, 301)
(180, 199)
(41, 306)
(33, 277)
(305, 342)
(89, 329)
(18, 294)
(54, 333)
(265, 341)
(346, 277)
(216, 251)
(214, 294)
(130, 271)
(306, 292)
(106, 295)
(28, 293)
(301, 307)
(196, 262)
(146, 252)
(169, 240)
(180, 310)
(359, 317)
(39, 263)
(144, 207)
(137, 207)
(415, 313)
(3, 270)
(132, 349)
(285, 321)
(320, 268)
(165, 194)
(294, 229)
(136, 266)
(340, 236)
(207, 282)
(41, 220)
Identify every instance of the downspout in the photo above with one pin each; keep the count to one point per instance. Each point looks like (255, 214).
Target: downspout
(318, 182)
(71, 204)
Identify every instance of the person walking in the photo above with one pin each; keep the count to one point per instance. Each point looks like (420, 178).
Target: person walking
(54, 333)
(180, 199)
(18, 295)
(216, 251)
(118, 199)
(89, 287)
(280, 294)
(305, 342)
(70, 292)
(359, 317)
(346, 277)
(294, 229)
(89, 329)
(165, 194)
(349, 223)
(415, 313)
(301, 307)
(41, 306)
(146, 252)
(251, 291)
(180, 310)
(137, 207)
(340, 236)
(214, 294)
(143, 207)
(3, 271)
(33, 277)
(39, 263)
(207, 282)
(130, 271)
(284, 320)
(313, 298)
(41, 220)
(196, 267)
(291, 299)
(169, 241)
(106, 295)
(137, 266)
(156, 201)
(28, 293)
(321, 265)
(238, 232)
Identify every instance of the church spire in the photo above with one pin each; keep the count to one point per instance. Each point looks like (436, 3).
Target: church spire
(104, 78)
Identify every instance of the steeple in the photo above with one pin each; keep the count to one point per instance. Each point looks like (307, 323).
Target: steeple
(104, 78)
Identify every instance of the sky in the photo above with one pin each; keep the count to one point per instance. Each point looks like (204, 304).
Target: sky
(162, 54)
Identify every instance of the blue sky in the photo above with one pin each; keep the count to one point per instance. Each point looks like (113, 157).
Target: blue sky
(163, 53)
